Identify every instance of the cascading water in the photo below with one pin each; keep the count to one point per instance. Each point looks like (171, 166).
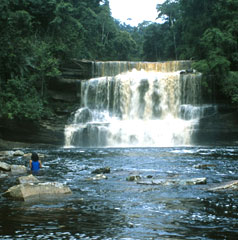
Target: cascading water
(136, 104)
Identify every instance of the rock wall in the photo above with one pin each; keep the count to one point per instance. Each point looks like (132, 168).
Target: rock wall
(219, 129)
(29, 133)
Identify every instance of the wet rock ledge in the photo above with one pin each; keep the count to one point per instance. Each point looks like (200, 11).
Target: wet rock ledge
(30, 191)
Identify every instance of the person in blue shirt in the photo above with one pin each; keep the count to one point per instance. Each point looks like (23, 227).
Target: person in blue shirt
(35, 162)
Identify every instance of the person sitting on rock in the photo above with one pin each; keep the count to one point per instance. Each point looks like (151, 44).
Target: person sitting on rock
(35, 162)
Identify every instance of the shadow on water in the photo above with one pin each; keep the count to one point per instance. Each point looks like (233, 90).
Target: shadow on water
(115, 208)
(59, 220)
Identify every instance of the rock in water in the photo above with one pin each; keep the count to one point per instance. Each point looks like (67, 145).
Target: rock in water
(190, 181)
(6, 153)
(5, 167)
(102, 170)
(204, 166)
(18, 153)
(232, 185)
(15, 169)
(28, 179)
(18, 169)
(28, 191)
(133, 178)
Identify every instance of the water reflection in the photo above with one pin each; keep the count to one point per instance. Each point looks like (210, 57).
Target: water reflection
(114, 208)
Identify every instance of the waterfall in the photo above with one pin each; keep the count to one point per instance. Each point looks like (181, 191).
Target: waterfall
(136, 104)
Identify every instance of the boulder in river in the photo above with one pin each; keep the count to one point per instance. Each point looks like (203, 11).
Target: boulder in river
(102, 170)
(204, 166)
(232, 185)
(5, 167)
(14, 169)
(15, 153)
(6, 153)
(28, 179)
(18, 153)
(193, 181)
(18, 169)
(133, 178)
(34, 191)
(190, 181)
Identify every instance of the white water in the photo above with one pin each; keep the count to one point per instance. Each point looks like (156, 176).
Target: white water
(137, 108)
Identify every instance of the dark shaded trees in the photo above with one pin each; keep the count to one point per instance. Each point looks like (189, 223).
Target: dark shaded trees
(205, 31)
(215, 41)
(39, 36)
(162, 40)
(158, 43)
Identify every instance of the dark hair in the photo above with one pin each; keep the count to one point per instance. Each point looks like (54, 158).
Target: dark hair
(34, 157)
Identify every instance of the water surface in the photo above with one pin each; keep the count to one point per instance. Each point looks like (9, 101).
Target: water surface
(115, 208)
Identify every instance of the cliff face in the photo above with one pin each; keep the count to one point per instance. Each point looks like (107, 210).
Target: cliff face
(219, 129)
(50, 132)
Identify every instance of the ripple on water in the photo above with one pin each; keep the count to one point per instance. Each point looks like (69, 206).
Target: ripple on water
(115, 208)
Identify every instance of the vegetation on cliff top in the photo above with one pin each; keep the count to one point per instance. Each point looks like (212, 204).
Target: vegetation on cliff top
(39, 36)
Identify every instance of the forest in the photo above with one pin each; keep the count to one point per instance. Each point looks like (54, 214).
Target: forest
(39, 36)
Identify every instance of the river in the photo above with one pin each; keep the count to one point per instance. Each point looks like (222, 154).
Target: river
(115, 208)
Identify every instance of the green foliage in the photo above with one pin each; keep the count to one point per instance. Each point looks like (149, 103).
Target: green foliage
(152, 41)
(39, 36)
(20, 100)
(213, 42)
(230, 86)
(201, 66)
(158, 43)
(44, 66)
(206, 31)
(169, 11)
(124, 44)
(137, 34)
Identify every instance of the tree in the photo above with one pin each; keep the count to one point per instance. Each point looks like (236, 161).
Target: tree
(21, 100)
(230, 87)
(169, 12)
(158, 43)
(32, 37)
(107, 30)
(124, 45)
(151, 47)
(213, 39)
(39, 36)
(195, 19)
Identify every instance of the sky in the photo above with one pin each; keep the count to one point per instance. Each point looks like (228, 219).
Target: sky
(134, 12)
